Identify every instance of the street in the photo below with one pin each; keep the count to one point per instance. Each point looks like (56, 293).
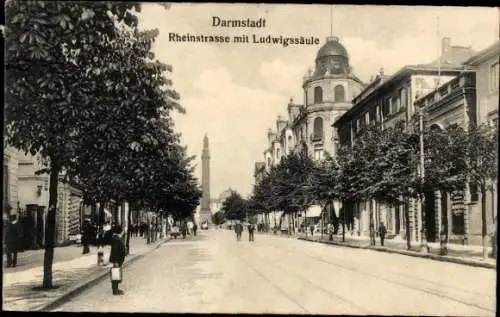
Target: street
(214, 273)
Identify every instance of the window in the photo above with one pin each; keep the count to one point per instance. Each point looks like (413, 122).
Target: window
(289, 143)
(394, 104)
(318, 128)
(277, 153)
(494, 69)
(318, 94)
(403, 96)
(339, 93)
(386, 107)
(367, 118)
(318, 154)
(268, 162)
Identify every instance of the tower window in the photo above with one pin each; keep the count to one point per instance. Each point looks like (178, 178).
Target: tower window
(318, 94)
(339, 93)
(318, 128)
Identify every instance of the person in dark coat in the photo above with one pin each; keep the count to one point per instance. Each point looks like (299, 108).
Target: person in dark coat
(13, 238)
(117, 256)
(195, 228)
(238, 228)
(382, 230)
(86, 235)
(251, 230)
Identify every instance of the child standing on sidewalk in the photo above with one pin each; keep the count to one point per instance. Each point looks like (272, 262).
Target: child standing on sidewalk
(116, 257)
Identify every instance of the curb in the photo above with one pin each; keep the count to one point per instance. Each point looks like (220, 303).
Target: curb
(412, 254)
(91, 281)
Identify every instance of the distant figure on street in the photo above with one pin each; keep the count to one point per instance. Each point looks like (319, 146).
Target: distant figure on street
(330, 231)
(184, 229)
(312, 230)
(238, 228)
(251, 230)
(117, 256)
(13, 238)
(87, 233)
(195, 228)
(382, 230)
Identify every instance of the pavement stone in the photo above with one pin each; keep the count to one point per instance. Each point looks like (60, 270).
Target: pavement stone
(68, 276)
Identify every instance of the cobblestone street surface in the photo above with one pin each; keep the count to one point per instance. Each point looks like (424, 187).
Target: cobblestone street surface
(69, 269)
(213, 273)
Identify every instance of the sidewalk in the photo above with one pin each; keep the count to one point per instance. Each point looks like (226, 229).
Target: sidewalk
(461, 254)
(69, 277)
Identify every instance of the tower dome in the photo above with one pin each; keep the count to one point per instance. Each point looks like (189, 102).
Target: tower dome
(332, 47)
(332, 58)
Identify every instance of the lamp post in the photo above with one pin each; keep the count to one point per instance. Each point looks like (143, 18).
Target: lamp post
(423, 238)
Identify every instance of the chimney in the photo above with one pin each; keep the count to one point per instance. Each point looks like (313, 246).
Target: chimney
(445, 45)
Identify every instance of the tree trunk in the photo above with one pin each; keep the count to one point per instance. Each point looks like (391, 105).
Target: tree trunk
(50, 228)
(423, 235)
(129, 221)
(483, 221)
(343, 224)
(407, 225)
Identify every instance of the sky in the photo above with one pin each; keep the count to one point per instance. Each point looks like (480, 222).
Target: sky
(234, 92)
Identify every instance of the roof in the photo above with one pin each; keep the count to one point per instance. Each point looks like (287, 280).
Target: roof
(332, 47)
(451, 59)
(404, 71)
(484, 54)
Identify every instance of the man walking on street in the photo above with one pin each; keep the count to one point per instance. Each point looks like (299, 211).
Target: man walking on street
(116, 257)
(195, 228)
(12, 240)
(86, 235)
(382, 230)
(251, 230)
(239, 229)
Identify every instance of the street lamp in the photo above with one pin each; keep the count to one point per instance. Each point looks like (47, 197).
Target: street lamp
(423, 238)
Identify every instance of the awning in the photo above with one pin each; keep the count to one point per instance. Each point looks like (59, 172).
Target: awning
(314, 211)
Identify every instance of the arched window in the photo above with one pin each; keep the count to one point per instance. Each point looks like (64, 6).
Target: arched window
(289, 143)
(339, 93)
(318, 94)
(318, 128)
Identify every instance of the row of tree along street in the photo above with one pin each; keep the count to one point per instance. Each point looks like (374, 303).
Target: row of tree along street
(383, 165)
(87, 96)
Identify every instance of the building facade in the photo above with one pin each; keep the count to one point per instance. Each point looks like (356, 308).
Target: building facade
(389, 100)
(328, 92)
(34, 201)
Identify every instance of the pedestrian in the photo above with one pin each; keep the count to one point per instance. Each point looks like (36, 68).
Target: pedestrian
(382, 230)
(312, 230)
(116, 258)
(13, 238)
(251, 230)
(184, 229)
(195, 228)
(86, 235)
(330, 231)
(238, 228)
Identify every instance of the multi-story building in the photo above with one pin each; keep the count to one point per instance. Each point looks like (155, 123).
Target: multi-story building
(388, 100)
(34, 199)
(470, 98)
(328, 93)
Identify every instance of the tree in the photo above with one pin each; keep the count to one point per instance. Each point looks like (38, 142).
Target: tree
(482, 166)
(49, 46)
(235, 207)
(218, 218)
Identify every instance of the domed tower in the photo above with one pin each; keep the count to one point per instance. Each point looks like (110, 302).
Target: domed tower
(332, 57)
(328, 92)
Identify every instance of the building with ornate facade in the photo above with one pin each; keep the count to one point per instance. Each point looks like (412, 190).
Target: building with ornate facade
(328, 92)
